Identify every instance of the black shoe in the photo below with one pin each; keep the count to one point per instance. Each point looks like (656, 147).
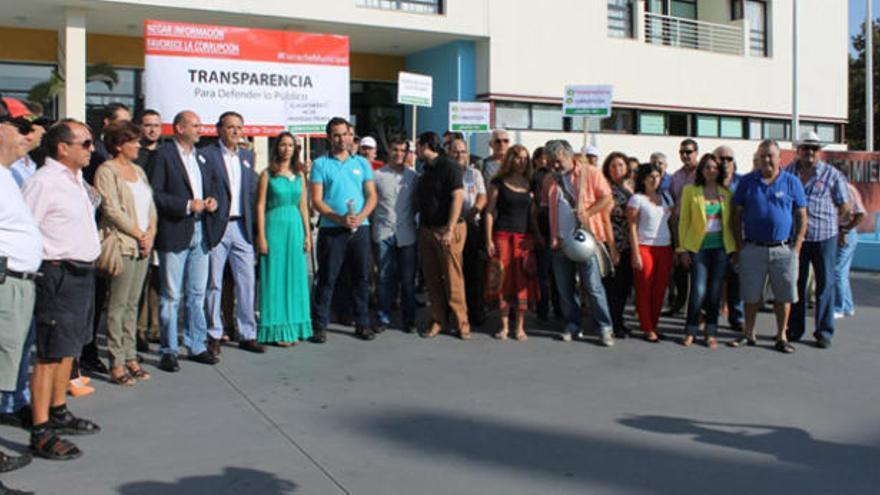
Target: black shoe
(23, 418)
(381, 327)
(13, 462)
(364, 333)
(142, 345)
(204, 357)
(319, 337)
(823, 343)
(409, 327)
(94, 365)
(251, 346)
(5, 490)
(213, 346)
(622, 332)
(169, 363)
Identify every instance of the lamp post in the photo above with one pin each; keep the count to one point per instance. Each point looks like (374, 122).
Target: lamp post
(869, 77)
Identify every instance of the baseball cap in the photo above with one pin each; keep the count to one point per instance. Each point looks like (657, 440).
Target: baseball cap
(591, 151)
(368, 142)
(16, 108)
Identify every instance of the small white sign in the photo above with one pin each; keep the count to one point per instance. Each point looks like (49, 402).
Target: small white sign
(587, 100)
(469, 116)
(414, 89)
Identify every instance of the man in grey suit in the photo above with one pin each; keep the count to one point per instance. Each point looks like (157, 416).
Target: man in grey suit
(235, 166)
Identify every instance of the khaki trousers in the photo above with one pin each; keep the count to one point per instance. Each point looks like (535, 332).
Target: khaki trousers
(442, 268)
(122, 310)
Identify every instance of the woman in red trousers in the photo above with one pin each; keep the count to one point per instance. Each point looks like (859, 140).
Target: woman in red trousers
(648, 214)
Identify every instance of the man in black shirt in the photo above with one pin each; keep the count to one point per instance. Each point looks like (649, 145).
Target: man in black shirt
(442, 233)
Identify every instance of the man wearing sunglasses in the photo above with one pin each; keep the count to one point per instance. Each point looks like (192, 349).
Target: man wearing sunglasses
(63, 206)
(20, 249)
(735, 310)
(499, 142)
(688, 152)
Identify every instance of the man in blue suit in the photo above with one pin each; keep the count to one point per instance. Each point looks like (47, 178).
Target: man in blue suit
(235, 218)
(184, 189)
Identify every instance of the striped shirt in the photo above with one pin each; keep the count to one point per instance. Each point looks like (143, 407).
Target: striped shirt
(826, 190)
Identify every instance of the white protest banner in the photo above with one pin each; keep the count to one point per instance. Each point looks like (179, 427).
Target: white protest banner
(414, 89)
(587, 100)
(469, 116)
(277, 80)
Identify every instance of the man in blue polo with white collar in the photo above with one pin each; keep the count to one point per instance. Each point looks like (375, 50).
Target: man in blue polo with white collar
(344, 193)
(766, 203)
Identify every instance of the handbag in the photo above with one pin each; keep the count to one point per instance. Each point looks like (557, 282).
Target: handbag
(603, 255)
(109, 262)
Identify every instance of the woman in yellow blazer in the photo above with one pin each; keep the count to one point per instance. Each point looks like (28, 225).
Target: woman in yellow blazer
(705, 239)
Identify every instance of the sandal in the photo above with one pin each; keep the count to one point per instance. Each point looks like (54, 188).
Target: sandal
(283, 344)
(711, 342)
(521, 336)
(68, 424)
(502, 334)
(742, 341)
(687, 341)
(784, 347)
(139, 373)
(48, 445)
(652, 337)
(125, 380)
(11, 463)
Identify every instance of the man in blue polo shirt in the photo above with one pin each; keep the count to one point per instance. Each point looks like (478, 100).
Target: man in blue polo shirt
(766, 203)
(344, 193)
(827, 199)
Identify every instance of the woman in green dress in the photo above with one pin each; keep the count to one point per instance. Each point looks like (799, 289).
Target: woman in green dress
(283, 241)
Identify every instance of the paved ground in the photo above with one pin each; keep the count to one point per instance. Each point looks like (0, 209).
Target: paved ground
(402, 415)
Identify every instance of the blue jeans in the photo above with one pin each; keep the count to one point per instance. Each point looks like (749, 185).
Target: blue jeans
(843, 301)
(335, 245)
(397, 270)
(564, 271)
(235, 249)
(735, 310)
(186, 270)
(708, 270)
(11, 402)
(822, 255)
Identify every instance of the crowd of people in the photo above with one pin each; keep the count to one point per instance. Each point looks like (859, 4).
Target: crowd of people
(112, 232)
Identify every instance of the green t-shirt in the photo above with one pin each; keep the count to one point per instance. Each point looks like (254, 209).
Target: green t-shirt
(714, 235)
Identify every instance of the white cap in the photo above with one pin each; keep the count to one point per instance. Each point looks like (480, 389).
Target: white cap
(591, 150)
(809, 139)
(368, 142)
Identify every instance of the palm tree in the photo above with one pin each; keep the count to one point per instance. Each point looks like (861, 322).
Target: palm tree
(46, 91)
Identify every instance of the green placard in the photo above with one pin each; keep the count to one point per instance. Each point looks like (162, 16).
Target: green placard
(470, 127)
(411, 100)
(305, 129)
(594, 112)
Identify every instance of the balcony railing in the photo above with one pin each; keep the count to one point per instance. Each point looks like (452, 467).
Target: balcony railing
(417, 6)
(698, 35)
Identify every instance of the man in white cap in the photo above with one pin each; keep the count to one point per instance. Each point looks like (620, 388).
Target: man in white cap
(592, 153)
(368, 150)
(827, 199)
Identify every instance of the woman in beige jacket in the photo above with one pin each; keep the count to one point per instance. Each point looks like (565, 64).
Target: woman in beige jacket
(127, 211)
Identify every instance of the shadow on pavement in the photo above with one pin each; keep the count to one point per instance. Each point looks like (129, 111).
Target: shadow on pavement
(643, 465)
(232, 481)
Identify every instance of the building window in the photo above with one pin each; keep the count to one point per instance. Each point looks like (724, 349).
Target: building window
(827, 132)
(547, 117)
(756, 129)
(736, 10)
(417, 6)
(126, 91)
(621, 121)
(510, 115)
(16, 80)
(756, 20)
(776, 129)
(707, 126)
(620, 18)
(678, 124)
(732, 127)
(652, 123)
(686, 9)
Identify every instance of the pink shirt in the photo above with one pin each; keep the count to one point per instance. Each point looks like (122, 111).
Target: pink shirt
(681, 178)
(60, 203)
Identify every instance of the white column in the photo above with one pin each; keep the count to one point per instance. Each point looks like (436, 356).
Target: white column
(261, 152)
(869, 77)
(639, 28)
(72, 62)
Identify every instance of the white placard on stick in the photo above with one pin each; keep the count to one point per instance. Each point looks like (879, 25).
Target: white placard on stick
(587, 100)
(469, 116)
(415, 89)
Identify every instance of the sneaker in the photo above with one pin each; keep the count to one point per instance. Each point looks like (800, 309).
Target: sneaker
(607, 339)
(565, 336)
(838, 316)
(851, 312)
(823, 342)
(319, 337)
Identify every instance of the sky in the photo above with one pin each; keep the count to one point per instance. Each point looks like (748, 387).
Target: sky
(857, 16)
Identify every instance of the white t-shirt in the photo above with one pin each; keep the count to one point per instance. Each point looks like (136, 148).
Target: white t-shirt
(653, 220)
(143, 196)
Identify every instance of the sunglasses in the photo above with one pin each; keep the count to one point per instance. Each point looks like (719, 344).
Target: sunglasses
(502, 140)
(85, 144)
(23, 126)
(726, 159)
(686, 152)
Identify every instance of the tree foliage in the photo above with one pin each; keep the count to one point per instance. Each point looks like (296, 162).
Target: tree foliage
(856, 128)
